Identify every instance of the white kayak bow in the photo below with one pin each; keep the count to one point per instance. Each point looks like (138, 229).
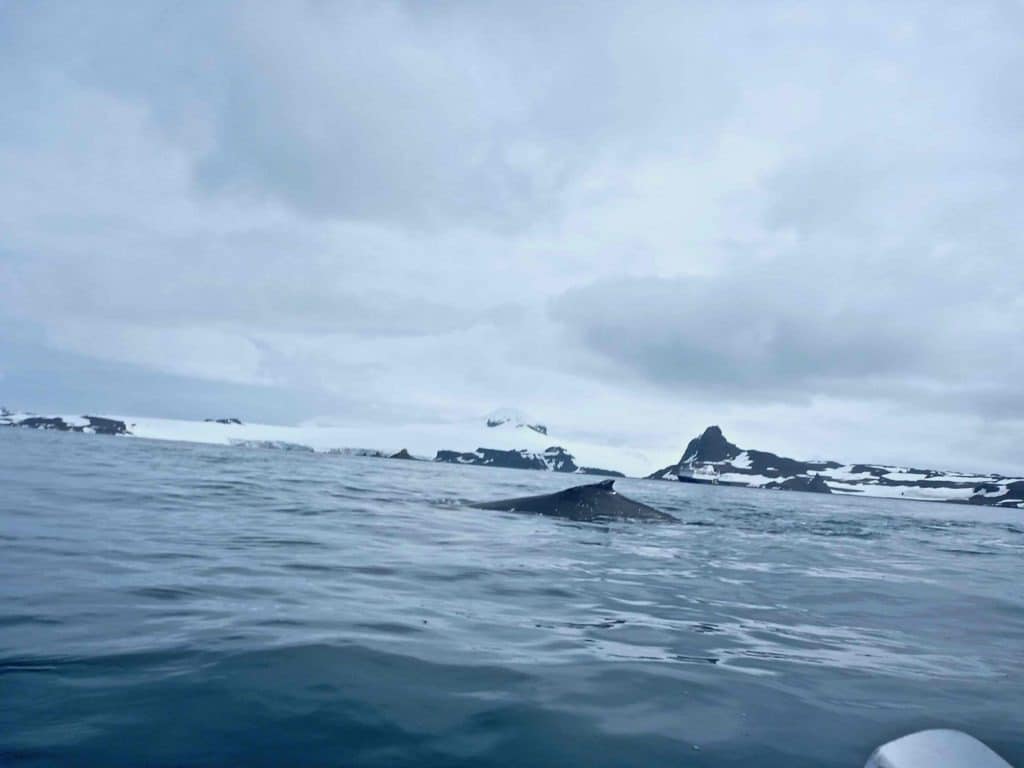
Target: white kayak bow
(936, 749)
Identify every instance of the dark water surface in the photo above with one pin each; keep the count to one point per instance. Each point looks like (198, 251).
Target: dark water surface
(165, 604)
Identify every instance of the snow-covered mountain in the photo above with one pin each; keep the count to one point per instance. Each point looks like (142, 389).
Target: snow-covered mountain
(515, 419)
(503, 438)
(507, 427)
(710, 457)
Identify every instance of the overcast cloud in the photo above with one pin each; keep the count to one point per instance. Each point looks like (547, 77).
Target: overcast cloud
(801, 221)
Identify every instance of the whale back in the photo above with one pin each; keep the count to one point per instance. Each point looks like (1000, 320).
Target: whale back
(582, 503)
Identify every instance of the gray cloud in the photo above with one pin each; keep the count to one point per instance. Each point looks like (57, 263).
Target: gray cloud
(383, 111)
(663, 215)
(817, 330)
(233, 287)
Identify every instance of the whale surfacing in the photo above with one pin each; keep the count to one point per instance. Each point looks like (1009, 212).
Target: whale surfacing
(584, 503)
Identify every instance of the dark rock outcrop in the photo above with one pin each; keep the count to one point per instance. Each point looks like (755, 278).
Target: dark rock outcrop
(711, 445)
(491, 457)
(807, 484)
(403, 454)
(1010, 494)
(98, 425)
(558, 459)
(104, 426)
(554, 459)
(224, 421)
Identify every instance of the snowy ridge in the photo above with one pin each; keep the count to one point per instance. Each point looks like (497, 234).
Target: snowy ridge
(761, 469)
(553, 459)
(513, 441)
(514, 419)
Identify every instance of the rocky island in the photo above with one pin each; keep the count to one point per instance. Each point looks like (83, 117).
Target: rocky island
(711, 458)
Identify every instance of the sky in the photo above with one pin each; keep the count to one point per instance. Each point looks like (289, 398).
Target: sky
(800, 221)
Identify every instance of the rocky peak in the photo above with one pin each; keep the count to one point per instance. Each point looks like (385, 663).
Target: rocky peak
(710, 446)
(515, 419)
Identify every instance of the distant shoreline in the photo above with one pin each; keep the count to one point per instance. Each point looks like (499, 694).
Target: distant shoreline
(517, 444)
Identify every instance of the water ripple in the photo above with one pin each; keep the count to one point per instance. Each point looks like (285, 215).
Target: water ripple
(199, 605)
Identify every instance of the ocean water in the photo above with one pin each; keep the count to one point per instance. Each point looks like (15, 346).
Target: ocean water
(165, 604)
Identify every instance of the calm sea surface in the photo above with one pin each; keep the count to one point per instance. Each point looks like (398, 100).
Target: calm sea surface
(166, 604)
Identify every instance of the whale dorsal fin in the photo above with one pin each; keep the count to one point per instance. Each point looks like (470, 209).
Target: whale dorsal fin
(604, 486)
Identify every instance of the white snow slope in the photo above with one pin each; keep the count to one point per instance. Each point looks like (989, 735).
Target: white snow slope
(515, 432)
